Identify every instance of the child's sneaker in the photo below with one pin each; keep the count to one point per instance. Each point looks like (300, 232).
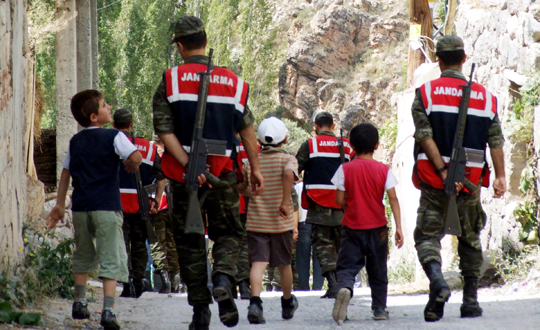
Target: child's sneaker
(255, 311)
(79, 311)
(288, 307)
(339, 313)
(380, 314)
(108, 320)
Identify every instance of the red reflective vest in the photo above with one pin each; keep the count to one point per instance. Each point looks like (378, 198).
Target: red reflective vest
(324, 160)
(227, 99)
(441, 99)
(128, 184)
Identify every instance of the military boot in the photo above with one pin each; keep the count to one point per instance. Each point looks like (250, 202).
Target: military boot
(139, 286)
(165, 282)
(201, 317)
(439, 292)
(244, 289)
(175, 283)
(333, 288)
(470, 306)
(129, 290)
(228, 313)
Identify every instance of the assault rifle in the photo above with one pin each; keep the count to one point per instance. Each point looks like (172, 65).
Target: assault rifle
(144, 205)
(341, 146)
(458, 162)
(200, 148)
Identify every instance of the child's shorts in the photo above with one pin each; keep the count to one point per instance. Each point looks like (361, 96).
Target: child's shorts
(99, 240)
(276, 249)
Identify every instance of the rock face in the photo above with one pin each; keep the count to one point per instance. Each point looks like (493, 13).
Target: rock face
(503, 39)
(326, 62)
(14, 73)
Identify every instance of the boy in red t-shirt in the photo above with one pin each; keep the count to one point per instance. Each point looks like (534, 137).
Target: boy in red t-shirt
(364, 237)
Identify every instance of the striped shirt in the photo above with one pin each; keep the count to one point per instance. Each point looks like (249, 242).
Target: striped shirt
(263, 210)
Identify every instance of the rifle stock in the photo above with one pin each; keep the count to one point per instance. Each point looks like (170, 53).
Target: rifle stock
(458, 162)
(200, 148)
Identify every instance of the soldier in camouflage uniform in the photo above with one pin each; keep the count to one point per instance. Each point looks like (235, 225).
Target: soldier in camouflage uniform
(134, 228)
(319, 158)
(435, 112)
(174, 108)
(164, 253)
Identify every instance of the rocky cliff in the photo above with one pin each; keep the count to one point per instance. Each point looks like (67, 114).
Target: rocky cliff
(344, 57)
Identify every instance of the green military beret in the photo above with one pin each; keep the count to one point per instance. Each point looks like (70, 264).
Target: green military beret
(187, 25)
(449, 43)
(122, 116)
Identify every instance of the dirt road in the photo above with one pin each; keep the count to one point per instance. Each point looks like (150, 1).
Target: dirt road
(504, 308)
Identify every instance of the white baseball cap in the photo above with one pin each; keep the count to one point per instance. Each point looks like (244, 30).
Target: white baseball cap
(272, 131)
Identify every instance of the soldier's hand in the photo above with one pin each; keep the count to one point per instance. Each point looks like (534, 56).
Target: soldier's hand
(499, 187)
(459, 187)
(202, 180)
(399, 238)
(257, 182)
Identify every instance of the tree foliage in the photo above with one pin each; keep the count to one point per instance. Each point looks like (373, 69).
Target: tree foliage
(134, 50)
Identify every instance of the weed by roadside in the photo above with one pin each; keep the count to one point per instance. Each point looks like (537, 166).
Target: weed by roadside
(46, 271)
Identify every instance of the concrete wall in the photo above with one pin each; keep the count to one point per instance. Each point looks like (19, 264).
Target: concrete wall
(14, 72)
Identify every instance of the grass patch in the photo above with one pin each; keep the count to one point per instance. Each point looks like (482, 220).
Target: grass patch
(514, 267)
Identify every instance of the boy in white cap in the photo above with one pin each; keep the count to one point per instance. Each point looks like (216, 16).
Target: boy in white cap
(270, 220)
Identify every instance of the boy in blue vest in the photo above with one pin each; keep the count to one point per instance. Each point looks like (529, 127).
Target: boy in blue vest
(361, 184)
(92, 161)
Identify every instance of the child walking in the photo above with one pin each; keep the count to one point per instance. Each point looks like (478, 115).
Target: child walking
(92, 161)
(270, 221)
(361, 184)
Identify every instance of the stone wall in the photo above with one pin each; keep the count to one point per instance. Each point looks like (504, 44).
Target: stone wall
(14, 75)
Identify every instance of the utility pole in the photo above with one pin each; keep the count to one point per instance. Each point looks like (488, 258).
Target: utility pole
(451, 17)
(84, 45)
(94, 25)
(420, 17)
(66, 77)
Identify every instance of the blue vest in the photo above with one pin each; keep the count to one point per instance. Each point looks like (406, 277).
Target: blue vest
(94, 169)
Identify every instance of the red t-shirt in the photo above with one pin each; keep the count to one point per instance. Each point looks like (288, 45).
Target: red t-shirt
(364, 181)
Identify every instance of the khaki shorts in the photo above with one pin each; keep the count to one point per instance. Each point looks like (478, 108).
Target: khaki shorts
(276, 249)
(99, 240)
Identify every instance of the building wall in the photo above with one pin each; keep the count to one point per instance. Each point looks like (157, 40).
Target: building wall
(14, 75)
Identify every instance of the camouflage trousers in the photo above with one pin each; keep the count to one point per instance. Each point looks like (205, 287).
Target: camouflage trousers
(243, 267)
(224, 228)
(326, 241)
(135, 236)
(430, 229)
(164, 252)
(272, 278)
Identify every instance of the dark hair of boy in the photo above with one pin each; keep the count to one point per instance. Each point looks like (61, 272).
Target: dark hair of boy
(192, 41)
(85, 103)
(324, 121)
(364, 138)
(451, 57)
